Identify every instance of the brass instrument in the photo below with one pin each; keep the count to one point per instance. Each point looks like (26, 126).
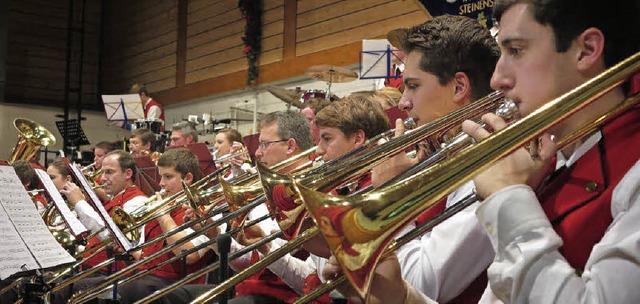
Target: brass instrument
(220, 159)
(371, 220)
(88, 168)
(353, 164)
(242, 198)
(31, 136)
(136, 264)
(94, 291)
(271, 178)
(146, 215)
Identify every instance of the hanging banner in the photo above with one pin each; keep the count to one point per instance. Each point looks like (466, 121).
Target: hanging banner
(476, 9)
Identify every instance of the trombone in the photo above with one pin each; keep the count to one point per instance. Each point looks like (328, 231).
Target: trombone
(320, 187)
(353, 164)
(371, 220)
(199, 184)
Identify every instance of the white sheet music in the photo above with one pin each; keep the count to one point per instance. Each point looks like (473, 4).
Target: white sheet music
(117, 107)
(75, 225)
(21, 225)
(111, 225)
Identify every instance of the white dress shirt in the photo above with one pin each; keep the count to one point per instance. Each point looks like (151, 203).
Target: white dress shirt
(92, 220)
(267, 226)
(154, 111)
(528, 267)
(442, 263)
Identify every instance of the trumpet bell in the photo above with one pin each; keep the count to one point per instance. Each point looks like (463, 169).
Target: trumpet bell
(31, 136)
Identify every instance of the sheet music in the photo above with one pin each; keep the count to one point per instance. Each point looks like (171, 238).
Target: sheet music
(77, 228)
(21, 225)
(111, 225)
(374, 58)
(13, 252)
(113, 106)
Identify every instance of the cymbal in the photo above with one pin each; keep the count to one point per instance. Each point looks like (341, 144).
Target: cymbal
(330, 73)
(289, 96)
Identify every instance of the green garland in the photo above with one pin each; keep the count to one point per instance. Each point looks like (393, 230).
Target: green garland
(252, 12)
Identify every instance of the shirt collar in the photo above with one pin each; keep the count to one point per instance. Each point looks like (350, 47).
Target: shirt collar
(582, 149)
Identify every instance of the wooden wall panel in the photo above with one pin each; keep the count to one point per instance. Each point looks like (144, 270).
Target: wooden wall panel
(362, 19)
(140, 47)
(37, 52)
(311, 5)
(211, 49)
(214, 38)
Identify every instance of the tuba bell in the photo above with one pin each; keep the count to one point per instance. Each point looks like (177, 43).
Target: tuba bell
(31, 136)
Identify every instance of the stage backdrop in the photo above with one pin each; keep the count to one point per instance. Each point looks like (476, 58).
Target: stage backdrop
(476, 9)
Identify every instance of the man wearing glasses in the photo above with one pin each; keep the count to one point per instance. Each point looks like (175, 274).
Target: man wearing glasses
(283, 135)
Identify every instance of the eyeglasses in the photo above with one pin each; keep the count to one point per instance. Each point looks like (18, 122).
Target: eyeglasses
(265, 144)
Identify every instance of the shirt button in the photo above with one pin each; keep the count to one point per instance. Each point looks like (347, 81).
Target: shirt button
(591, 186)
(489, 228)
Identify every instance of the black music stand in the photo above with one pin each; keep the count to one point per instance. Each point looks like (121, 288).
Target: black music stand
(72, 134)
(207, 165)
(147, 176)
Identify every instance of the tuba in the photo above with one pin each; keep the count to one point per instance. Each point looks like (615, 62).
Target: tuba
(31, 136)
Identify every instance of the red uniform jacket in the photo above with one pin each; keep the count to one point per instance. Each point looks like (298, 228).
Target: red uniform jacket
(578, 200)
(267, 283)
(118, 200)
(152, 102)
(175, 270)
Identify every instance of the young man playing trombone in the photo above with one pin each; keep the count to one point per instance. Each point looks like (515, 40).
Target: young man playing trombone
(175, 166)
(572, 236)
(449, 63)
(343, 125)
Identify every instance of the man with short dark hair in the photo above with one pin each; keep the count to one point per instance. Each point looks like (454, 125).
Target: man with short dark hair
(573, 238)
(142, 143)
(449, 63)
(118, 177)
(152, 109)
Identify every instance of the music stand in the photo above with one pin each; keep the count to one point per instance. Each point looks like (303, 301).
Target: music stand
(204, 157)
(252, 142)
(376, 59)
(123, 108)
(147, 175)
(393, 114)
(72, 134)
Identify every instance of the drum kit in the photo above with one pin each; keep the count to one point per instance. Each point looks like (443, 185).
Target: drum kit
(326, 73)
